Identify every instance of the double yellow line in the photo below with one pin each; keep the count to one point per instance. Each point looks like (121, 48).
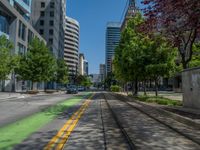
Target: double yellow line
(59, 140)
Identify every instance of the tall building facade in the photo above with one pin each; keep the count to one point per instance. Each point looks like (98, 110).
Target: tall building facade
(15, 25)
(86, 68)
(48, 17)
(71, 50)
(102, 71)
(112, 40)
(81, 63)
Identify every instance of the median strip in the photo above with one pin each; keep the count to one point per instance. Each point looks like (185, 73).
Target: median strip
(15, 133)
(59, 140)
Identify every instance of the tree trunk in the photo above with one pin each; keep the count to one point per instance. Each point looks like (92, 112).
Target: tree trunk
(45, 86)
(185, 65)
(126, 88)
(132, 87)
(136, 87)
(156, 87)
(3, 86)
(32, 84)
(145, 90)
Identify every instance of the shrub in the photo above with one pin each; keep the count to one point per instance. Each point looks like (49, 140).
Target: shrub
(159, 100)
(50, 91)
(33, 92)
(115, 88)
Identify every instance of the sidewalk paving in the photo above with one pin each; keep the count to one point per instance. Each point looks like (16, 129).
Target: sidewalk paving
(11, 95)
(173, 96)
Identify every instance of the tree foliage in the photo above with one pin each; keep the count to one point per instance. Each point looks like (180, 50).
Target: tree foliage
(61, 72)
(195, 62)
(177, 20)
(7, 59)
(141, 56)
(38, 64)
(83, 81)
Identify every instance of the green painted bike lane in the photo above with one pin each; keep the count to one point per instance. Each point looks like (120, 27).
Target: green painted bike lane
(15, 133)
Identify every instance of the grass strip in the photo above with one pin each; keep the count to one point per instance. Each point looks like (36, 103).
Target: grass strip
(159, 100)
(16, 132)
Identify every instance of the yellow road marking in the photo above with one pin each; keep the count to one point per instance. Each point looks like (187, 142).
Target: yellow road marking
(68, 127)
(69, 131)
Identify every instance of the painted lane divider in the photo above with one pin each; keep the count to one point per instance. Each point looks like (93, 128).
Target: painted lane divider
(59, 140)
(71, 128)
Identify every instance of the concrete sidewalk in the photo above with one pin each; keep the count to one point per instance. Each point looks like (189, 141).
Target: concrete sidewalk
(9, 95)
(13, 95)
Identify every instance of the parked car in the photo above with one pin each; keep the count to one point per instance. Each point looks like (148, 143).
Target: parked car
(81, 88)
(72, 89)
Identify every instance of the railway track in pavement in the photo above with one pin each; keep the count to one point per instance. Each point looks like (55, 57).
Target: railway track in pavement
(144, 131)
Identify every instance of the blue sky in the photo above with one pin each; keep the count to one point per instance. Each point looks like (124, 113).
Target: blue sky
(93, 16)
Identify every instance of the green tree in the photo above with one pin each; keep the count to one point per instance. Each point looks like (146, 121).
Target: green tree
(86, 82)
(83, 81)
(162, 60)
(8, 61)
(79, 79)
(140, 56)
(195, 62)
(109, 80)
(128, 61)
(38, 64)
(62, 72)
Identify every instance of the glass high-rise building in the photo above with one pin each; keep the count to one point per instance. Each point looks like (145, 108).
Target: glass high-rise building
(112, 40)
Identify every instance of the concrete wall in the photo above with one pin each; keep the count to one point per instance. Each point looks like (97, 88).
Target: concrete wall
(191, 88)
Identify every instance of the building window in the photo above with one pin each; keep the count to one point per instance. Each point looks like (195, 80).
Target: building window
(41, 31)
(30, 36)
(42, 14)
(51, 32)
(52, 4)
(21, 49)
(27, 2)
(51, 14)
(41, 22)
(4, 26)
(51, 22)
(42, 4)
(51, 41)
(22, 31)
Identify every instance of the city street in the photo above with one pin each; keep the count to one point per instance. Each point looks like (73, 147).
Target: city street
(99, 75)
(107, 121)
(14, 109)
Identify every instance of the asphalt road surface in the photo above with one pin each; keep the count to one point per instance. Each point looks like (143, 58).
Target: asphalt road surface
(15, 109)
(104, 122)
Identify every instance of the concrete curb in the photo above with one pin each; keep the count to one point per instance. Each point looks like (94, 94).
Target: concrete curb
(174, 116)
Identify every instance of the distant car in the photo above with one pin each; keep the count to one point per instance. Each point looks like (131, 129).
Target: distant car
(81, 88)
(72, 89)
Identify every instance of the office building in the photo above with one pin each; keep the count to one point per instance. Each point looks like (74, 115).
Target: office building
(15, 25)
(86, 67)
(81, 63)
(102, 71)
(71, 50)
(95, 78)
(112, 40)
(48, 18)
